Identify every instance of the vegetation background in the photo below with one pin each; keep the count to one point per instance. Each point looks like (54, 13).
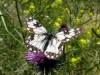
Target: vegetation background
(82, 54)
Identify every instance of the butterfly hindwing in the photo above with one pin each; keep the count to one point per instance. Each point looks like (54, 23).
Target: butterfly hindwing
(54, 49)
(35, 43)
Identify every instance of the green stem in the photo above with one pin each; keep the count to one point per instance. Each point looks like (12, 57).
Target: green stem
(19, 18)
(2, 18)
(95, 33)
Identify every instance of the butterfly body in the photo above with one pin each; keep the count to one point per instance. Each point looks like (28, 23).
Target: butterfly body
(48, 38)
(40, 40)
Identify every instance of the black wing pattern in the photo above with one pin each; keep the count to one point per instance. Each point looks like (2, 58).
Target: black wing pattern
(38, 39)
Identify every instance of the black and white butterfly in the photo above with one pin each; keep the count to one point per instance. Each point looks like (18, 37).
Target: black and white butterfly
(40, 40)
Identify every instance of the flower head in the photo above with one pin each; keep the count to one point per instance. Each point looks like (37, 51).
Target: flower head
(59, 1)
(83, 42)
(69, 46)
(63, 27)
(56, 3)
(26, 11)
(33, 58)
(81, 11)
(77, 20)
(57, 24)
(75, 61)
(91, 14)
(31, 7)
(43, 62)
(24, 1)
(68, 11)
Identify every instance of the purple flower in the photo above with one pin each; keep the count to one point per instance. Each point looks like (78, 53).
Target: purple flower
(33, 57)
(43, 62)
(63, 27)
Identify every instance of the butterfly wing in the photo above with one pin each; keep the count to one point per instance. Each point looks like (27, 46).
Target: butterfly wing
(35, 43)
(56, 45)
(37, 40)
(34, 26)
(54, 49)
(68, 35)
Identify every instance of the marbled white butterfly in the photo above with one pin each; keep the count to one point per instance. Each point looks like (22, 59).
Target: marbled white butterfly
(40, 40)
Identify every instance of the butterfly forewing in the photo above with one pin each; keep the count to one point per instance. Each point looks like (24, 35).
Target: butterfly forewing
(33, 25)
(68, 35)
(36, 41)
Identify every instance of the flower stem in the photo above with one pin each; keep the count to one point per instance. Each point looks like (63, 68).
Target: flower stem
(44, 71)
(5, 26)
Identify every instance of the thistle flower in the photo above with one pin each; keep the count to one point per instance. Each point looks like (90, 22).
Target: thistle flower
(35, 58)
(45, 64)
(63, 27)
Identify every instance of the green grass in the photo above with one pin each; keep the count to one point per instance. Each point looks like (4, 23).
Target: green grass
(82, 54)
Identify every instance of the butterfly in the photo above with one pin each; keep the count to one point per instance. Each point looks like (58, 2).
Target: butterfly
(51, 44)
